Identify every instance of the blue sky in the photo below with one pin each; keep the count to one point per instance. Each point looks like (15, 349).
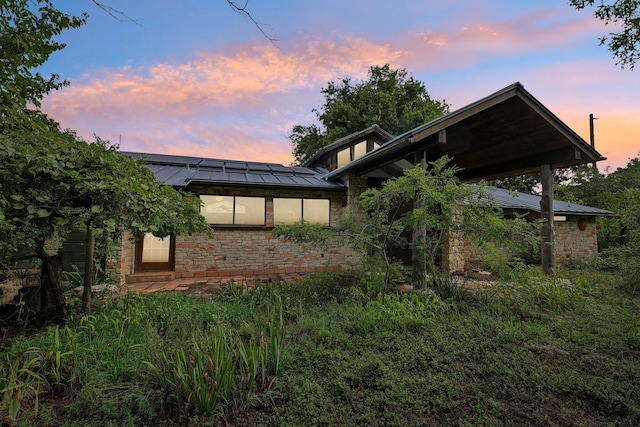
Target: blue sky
(195, 78)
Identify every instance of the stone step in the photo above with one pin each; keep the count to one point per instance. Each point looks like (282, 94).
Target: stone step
(148, 277)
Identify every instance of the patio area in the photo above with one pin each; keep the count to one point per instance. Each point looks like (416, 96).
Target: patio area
(209, 285)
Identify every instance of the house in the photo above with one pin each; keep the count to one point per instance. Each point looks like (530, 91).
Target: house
(506, 134)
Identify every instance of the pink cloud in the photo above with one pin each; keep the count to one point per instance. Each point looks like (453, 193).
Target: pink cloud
(474, 40)
(216, 81)
(225, 105)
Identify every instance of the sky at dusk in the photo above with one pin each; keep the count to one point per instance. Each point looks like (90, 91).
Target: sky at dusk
(195, 78)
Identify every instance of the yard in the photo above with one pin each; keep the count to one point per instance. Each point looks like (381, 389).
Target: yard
(527, 351)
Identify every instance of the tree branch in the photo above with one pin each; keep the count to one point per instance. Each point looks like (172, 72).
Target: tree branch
(118, 15)
(242, 10)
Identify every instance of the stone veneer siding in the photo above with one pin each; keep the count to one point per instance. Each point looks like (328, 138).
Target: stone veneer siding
(571, 243)
(249, 251)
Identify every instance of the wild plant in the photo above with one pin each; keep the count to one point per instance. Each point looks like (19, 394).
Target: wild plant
(58, 361)
(275, 342)
(201, 380)
(18, 380)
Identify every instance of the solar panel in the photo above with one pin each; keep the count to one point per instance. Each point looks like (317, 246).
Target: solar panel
(259, 167)
(303, 171)
(235, 166)
(281, 169)
(212, 163)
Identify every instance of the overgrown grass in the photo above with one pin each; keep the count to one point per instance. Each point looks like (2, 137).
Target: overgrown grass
(536, 351)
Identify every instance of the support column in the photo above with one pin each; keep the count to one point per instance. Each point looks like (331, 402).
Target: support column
(547, 213)
(419, 239)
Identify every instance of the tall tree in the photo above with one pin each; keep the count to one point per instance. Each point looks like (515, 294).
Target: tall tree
(389, 98)
(27, 29)
(52, 183)
(624, 14)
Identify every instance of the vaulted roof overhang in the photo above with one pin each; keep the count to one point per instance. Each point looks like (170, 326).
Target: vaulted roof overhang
(506, 134)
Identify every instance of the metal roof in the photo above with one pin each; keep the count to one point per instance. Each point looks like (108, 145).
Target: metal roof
(182, 171)
(507, 133)
(531, 203)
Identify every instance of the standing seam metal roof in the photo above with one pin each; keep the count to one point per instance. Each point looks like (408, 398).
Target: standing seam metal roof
(529, 202)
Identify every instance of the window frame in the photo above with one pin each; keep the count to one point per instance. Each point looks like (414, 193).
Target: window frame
(301, 200)
(233, 211)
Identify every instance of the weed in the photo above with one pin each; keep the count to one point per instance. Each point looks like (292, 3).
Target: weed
(18, 380)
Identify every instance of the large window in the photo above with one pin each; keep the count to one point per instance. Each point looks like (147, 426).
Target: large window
(233, 210)
(288, 211)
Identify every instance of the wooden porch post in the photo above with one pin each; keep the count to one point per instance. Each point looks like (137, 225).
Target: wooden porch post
(546, 213)
(419, 239)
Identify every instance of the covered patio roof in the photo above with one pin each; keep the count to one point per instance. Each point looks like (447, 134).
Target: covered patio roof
(506, 134)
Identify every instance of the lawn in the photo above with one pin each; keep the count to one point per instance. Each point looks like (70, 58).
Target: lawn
(530, 351)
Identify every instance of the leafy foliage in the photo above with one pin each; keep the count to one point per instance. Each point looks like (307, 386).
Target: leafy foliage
(618, 237)
(52, 183)
(623, 44)
(389, 98)
(27, 29)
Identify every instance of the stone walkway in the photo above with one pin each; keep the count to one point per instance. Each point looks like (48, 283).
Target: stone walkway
(209, 285)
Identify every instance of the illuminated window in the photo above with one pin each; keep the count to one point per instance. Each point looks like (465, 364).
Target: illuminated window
(237, 210)
(287, 211)
(155, 248)
(359, 149)
(344, 157)
(316, 210)
(349, 154)
(249, 210)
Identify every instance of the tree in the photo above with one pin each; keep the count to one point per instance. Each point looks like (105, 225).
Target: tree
(52, 183)
(624, 43)
(389, 98)
(619, 192)
(619, 236)
(440, 208)
(27, 28)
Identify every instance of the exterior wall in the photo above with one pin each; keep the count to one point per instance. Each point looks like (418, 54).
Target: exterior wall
(571, 243)
(356, 186)
(455, 253)
(249, 250)
(121, 260)
(252, 253)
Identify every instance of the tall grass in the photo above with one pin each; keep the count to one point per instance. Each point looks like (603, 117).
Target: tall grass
(536, 351)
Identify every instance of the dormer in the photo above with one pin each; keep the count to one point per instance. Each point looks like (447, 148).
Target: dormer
(349, 148)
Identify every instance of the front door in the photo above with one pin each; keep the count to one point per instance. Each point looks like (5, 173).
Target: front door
(155, 254)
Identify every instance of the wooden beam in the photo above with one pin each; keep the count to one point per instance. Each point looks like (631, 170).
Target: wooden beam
(419, 240)
(460, 115)
(442, 136)
(546, 213)
(559, 156)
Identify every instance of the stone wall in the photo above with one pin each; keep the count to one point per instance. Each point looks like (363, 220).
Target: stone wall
(575, 238)
(250, 251)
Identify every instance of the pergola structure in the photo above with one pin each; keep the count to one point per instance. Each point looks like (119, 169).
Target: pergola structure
(506, 134)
